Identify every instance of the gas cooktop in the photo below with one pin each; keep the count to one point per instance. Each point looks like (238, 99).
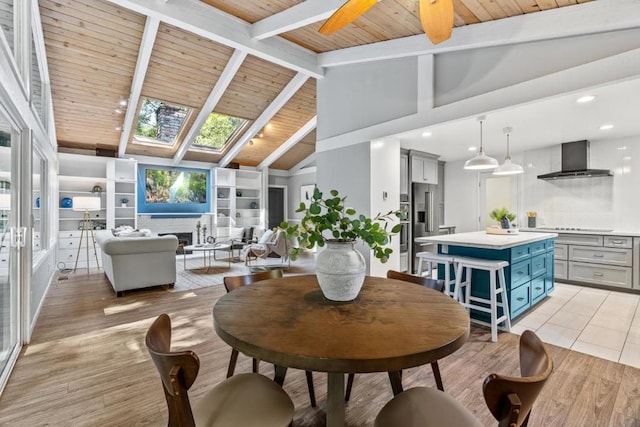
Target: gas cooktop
(593, 230)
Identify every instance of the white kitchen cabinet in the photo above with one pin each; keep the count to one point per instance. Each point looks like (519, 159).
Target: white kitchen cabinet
(404, 174)
(424, 170)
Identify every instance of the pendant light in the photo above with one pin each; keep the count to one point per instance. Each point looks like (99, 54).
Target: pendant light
(481, 161)
(508, 168)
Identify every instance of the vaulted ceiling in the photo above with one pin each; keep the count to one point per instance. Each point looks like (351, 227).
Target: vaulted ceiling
(245, 58)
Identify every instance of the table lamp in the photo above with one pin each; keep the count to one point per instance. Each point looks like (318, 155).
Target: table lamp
(86, 204)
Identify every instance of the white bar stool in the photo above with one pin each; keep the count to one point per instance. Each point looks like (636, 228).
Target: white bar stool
(494, 267)
(446, 260)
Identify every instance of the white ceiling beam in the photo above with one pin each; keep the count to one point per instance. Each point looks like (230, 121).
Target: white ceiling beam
(286, 146)
(225, 79)
(206, 21)
(144, 55)
(300, 15)
(302, 164)
(283, 97)
(587, 18)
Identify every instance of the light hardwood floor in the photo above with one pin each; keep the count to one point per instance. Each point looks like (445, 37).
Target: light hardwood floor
(87, 366)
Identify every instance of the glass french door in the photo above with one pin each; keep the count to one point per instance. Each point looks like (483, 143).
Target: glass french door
(9, 242)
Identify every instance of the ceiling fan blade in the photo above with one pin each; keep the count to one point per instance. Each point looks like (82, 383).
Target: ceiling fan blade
(348, 12)
(437, 19)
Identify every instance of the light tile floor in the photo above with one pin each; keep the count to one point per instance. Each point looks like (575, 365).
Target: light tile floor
(601, 323)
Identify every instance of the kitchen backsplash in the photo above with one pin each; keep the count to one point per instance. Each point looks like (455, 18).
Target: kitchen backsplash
(586, 202)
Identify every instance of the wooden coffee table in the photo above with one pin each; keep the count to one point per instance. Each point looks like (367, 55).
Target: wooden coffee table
(392, 325)
(207, 249)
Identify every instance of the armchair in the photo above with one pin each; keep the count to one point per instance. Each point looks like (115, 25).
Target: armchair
(271, 245)
(238, 238)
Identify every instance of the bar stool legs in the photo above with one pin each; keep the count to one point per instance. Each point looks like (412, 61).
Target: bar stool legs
(494, 268)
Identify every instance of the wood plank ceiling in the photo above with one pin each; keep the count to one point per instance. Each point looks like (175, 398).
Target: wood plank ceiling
(93, 46)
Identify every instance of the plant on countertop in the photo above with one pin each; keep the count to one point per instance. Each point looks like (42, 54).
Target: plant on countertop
(329, 219)
(503, 216)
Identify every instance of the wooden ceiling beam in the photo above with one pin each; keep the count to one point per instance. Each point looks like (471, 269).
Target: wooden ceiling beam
(587, 18)
(283, 97)
(286, 146)
(300, 15)
(206, 21)
(144, 55)
(230, 70)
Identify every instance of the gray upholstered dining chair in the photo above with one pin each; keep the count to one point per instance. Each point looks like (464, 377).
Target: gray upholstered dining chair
(438, 285)
(248, 400)
(509, 399)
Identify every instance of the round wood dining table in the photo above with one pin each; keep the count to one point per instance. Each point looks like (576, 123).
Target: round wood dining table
(391, 325)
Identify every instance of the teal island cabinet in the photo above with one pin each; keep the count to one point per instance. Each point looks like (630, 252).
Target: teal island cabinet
(529, 276)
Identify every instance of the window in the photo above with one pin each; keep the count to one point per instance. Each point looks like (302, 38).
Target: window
(160, 122)
(218, 131)
(6, 21)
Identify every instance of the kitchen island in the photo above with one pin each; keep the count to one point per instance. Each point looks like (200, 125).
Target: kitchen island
(529, 276)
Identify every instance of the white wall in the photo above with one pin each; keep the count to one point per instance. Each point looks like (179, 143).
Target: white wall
(584, 202)
(385, 195)
(587, 202)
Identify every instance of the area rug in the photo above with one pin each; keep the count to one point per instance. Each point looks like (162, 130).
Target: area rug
(196, 275)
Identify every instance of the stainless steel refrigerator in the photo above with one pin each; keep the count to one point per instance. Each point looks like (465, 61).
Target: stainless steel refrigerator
(426, 217)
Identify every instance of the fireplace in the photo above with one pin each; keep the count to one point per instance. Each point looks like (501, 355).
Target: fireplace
(184, 239)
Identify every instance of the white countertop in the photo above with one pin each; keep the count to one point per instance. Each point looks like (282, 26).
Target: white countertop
(480, 239)
(597, 233)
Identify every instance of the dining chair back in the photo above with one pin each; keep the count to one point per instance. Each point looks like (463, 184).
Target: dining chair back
(234, 282)
(249, 400)
(438, 285)
(434, 284)
(509, 399)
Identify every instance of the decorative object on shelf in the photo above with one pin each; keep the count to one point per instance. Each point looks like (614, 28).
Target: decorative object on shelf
(86, 204)
(5, 185)
(37, 202)
(503, 216)
(238, 193)
(97, 189)
(481, 161)
(340, 268)
(66, 202)
(123, 202)
(508, 167)
(238, 215)
(221, 195)
(253, 205)
(198, 232)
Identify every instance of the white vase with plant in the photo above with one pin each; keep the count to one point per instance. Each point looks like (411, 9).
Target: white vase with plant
(340, 268)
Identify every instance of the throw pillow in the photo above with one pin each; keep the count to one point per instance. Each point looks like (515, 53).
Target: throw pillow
(266, 236)
(236, 233)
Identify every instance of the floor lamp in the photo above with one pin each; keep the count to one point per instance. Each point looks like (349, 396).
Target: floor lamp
(86, 204)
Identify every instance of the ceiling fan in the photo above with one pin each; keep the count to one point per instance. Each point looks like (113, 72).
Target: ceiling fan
(436, 17)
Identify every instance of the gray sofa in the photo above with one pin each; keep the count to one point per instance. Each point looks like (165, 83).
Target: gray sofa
(138, 262)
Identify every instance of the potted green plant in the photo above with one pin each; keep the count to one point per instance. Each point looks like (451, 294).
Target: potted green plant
(123, 202)
(340, 268)
(503, 217)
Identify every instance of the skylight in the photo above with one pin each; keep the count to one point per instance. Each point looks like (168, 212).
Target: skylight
(218, 131)
(160, 122)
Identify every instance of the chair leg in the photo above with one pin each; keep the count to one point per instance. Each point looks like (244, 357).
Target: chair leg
(312, 392)
(256, 366)
(350, 379)
(436, 374)
(232, 362)
(395, 377)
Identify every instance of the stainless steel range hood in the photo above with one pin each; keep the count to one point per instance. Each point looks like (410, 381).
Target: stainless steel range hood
(575, 163)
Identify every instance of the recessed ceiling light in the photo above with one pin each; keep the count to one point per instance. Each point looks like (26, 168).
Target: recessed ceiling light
(606, 127)
(118, 110)
(123, 102)
(585, 99)
(118, 128)
(472, 148)
(426, 134)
